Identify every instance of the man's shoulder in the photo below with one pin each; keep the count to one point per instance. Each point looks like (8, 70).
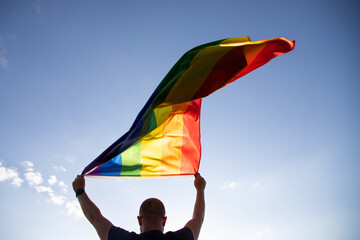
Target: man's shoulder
(116, 233)
(183, 234)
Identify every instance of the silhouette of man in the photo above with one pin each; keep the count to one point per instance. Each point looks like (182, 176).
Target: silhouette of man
(151, 217)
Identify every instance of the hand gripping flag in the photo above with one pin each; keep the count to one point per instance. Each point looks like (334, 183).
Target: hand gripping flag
(164, 140)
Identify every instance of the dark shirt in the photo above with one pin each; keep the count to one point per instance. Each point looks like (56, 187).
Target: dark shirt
(116, 233)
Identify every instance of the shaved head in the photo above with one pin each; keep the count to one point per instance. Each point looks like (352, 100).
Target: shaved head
(152, 209)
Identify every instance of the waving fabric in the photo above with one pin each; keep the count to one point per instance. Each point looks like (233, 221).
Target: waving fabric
(164, 139)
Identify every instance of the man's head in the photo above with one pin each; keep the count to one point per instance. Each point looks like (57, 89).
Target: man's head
(152, 215)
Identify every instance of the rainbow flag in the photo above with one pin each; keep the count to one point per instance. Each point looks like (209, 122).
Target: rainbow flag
(164, 139)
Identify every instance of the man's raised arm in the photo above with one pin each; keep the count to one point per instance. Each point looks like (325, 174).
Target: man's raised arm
(90, 210)
(199, 208)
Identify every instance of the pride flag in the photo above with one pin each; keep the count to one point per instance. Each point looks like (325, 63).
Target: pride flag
(164, 139)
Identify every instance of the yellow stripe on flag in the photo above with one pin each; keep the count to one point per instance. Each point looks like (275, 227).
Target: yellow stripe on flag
(151, 151)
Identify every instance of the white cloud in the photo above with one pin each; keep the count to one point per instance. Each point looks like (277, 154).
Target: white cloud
(63, 187)
(37, 6)
(60, 168)
(41, 189)
(10, 174)
(3, 61)
(33, 178)
(16, 181)
(228, 184)
(38, 9)
(73, 208)
(52, 180)
(29, 165)
(70, 159)
(57, 199)
(262, 234)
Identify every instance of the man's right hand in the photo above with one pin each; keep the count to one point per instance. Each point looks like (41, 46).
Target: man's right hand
(79, 182)
(199, 208)
(199, 182)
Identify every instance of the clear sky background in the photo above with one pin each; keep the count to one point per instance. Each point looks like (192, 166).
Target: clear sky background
(280, 146)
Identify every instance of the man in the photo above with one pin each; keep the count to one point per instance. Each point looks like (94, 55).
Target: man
(151, 217)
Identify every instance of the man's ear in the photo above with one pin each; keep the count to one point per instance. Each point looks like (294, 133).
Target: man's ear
(164, 221)
(139, 220)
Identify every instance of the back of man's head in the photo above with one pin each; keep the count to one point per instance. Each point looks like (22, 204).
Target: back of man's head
(152, 210)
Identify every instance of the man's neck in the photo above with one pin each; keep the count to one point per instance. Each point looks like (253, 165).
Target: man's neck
(147, 228)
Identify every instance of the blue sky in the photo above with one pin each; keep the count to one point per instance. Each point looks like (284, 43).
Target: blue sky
(280, 146)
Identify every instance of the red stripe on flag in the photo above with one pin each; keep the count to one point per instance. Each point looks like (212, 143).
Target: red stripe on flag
(272, 49)
(224, 72)
(191, 147)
